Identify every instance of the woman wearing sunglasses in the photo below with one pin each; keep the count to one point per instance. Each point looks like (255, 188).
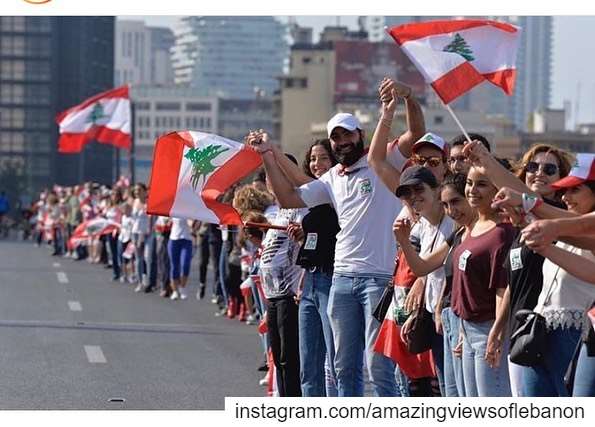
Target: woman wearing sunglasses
(539, 168)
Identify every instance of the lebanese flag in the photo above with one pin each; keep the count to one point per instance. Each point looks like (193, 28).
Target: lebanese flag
(104, 118)
(455, 56)
(191, 170)
(92, 228)
(389, 344)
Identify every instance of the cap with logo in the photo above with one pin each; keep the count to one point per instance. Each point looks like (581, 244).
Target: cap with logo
(342, 120)
(582, 171)
(432, 140)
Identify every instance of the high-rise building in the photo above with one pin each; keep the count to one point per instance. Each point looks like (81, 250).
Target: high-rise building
(48, 64)
(230, 56)
(142, 54)
(534, 66)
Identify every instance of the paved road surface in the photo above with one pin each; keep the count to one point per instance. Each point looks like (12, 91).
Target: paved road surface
(72, 339)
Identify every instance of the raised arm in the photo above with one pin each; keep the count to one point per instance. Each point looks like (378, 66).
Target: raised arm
(580, 267)
(377, 154)
(293, 173)
(545, 231)
(481, 158)
(284, 191)
(416, 127)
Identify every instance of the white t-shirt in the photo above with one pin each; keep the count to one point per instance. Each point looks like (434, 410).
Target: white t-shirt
(180, 229)
(126, 229)
(432, 237)
(280, 274)
(366, 211)
(570, 297)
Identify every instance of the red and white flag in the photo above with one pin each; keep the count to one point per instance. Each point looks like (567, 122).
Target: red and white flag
(191, 170)
(455, 56)
(93, 228)
(104, 117)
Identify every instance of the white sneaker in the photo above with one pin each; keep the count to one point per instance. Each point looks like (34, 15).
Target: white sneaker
(251, 320)
(214, 299)
(264, 382)
(183, 294)
(138, 288)
(174, 295)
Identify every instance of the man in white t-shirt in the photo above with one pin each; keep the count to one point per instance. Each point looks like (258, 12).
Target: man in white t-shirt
(365, 250)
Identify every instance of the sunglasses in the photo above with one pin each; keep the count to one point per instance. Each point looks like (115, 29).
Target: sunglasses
(412, 190)
(455, 159)
(547, 168)
(431, 161)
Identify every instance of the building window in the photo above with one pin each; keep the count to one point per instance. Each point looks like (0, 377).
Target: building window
(438, 120)
(198, 106)
(303, 83)
(288, 83)
(168, 106)
(143, 106)
(306, 60)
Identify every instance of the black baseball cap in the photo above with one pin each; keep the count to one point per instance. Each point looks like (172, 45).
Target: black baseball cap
(414, 175)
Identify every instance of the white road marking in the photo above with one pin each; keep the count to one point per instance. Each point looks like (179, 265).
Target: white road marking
(75, 306)
(56, 264)
(62, 277)
(94, 354)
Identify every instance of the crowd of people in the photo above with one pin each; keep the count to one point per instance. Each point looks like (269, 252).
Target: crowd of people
(426, 267)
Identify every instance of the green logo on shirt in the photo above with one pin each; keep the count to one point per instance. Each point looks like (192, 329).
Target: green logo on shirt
(365, 187)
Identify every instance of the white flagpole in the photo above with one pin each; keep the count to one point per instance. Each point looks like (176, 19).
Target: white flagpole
(456, 119)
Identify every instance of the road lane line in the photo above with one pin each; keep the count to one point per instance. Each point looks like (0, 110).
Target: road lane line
(94, 354)
(75, 306)
(56, 264)
(62, 277)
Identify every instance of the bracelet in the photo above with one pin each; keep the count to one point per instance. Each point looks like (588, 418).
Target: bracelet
(530, 202)
(386, 122)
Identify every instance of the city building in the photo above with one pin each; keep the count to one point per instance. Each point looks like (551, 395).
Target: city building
(230, 56)
(49, 64)
(142, 54)
(339, 73)
(159, 110)
(238, 116)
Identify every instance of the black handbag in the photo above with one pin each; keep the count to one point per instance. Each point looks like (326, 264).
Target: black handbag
(420, 334)
(386, 298)
(529, 340)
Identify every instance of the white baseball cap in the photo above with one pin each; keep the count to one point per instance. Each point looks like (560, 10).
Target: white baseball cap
(433, 140)
(343, 120)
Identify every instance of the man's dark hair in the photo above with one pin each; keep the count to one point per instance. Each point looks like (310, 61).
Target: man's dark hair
(461, 140)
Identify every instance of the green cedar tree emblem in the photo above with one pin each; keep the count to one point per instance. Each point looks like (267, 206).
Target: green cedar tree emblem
(96, 114)
(460, 46)
(201, 160)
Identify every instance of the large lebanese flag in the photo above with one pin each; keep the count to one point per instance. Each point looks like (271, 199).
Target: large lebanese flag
(389, 344)
(104, 117)
(191, 170)
(455, 56)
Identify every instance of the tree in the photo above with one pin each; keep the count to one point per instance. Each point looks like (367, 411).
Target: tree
(460, 46)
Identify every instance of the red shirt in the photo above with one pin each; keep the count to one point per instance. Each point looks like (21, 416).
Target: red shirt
(478, 271)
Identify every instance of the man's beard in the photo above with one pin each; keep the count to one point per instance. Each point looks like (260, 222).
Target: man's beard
(350, 156)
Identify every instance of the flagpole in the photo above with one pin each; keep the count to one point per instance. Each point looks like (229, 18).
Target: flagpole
(456, 119)
(132, 142)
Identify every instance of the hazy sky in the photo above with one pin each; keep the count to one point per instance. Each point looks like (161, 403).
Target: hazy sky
(573, 58)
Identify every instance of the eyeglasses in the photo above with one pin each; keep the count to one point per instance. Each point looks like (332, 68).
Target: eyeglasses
(455, 159)
(547, 168)
(431, 161)
(412, 190)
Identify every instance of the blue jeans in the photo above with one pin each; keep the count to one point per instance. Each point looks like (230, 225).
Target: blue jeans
(454, 384)
(438, 356)
(351, 302)
(547, 378)
(480, 379)
(223, 270)
(584, 378)
(316, 337)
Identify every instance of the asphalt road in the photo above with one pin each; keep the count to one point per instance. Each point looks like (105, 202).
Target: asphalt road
(72, 339)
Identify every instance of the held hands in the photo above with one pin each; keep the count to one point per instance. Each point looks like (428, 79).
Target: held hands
(259, 141)
(388, 92)
(477, 153)
(295, 232)
(539, 234)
